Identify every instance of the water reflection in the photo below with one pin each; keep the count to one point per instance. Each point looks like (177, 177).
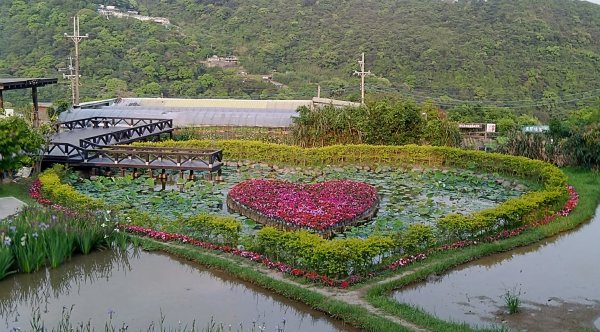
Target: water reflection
(557, 281)
(137, 288)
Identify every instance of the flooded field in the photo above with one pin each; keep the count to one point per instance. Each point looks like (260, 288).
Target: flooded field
(135, 289)
(558, 281)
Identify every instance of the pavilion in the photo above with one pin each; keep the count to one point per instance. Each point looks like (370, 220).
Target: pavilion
(26, 83)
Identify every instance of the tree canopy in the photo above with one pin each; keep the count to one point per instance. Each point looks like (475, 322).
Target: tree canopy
(19, 143)
(530, 55)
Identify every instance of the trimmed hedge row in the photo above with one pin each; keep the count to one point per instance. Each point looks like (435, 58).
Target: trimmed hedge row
(407, 155)
(337, 258)
(64, 194)
(205, 227)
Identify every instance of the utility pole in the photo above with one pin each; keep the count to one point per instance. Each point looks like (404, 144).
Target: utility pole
(74, 75)
(70, 76)
(362, 73)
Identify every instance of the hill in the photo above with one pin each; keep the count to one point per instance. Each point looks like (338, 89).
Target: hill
(539, 55)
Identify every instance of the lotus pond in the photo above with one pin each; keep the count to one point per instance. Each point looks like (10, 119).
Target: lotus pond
(406, 195)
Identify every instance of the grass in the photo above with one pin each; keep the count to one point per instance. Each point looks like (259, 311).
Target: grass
(512, 301)
(586, 182)
(18, 190)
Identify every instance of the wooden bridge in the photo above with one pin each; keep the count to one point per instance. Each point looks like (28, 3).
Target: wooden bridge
(98, 142)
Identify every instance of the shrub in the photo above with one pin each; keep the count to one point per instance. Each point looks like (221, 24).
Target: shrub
(416, 238)
(64, 194)
(205, 227)
(216, 229)
(337, 258)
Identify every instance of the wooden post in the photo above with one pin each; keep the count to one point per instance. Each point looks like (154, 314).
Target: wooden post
(1, 100)
(163, 179)
(36, 115)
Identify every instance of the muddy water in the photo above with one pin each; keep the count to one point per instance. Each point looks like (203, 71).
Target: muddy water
(137, 288)
(557, 280)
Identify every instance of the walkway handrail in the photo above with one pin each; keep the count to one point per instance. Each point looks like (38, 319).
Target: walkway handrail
(126, 135)
(106, 122)
(210, 158)
(66, 150)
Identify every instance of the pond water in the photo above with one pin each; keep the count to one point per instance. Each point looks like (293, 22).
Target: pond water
(407, 196)
(558, 281)
(136, 288)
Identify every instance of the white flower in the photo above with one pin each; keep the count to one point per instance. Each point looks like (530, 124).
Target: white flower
(103, 225)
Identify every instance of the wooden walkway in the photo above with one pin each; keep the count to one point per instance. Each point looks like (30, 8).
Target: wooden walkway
(97, 142)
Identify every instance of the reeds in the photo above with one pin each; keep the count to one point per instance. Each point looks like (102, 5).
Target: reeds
(39, 236)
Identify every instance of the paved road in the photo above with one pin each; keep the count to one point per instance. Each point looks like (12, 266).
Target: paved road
(9, 206)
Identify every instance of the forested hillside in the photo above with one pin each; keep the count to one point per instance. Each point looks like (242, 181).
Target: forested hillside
(527, 54)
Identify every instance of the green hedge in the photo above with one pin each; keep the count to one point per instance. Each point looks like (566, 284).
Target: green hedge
(204, 227)
(337, 258)
(211, 228)
(64, 194)
(407, 155)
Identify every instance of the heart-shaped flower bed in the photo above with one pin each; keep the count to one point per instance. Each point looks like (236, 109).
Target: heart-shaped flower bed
(320, 207)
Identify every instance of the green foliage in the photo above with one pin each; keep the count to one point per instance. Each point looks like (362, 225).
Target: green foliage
(335, 258)
(29, 251)
(6, 259)
(19, 143)
(38, 236)
(385, 122)
(63, 194)
(571, 141)
(535, 146)
(59, 245)
(58, 106)
(215, 229)
(442, 133)
(397, 156)
(512, 301)
(416, 238)
(550, 58)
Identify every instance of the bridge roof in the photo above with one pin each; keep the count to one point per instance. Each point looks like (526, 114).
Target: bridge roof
(25, 83)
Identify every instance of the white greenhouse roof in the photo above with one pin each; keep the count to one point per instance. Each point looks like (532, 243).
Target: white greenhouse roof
(199, 112)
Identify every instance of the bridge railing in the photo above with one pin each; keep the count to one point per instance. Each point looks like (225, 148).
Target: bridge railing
(106, 122)
(127, 135)
(144, 157)
(61, 151)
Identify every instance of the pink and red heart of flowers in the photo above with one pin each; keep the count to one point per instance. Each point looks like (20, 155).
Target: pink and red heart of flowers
(317, 206)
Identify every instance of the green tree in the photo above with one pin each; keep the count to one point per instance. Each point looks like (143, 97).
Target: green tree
(19, 143)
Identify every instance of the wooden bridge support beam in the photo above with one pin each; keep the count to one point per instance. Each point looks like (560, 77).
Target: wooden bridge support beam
(163, 179)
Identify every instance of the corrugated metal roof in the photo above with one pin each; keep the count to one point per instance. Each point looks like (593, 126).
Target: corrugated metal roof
(183, 117)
